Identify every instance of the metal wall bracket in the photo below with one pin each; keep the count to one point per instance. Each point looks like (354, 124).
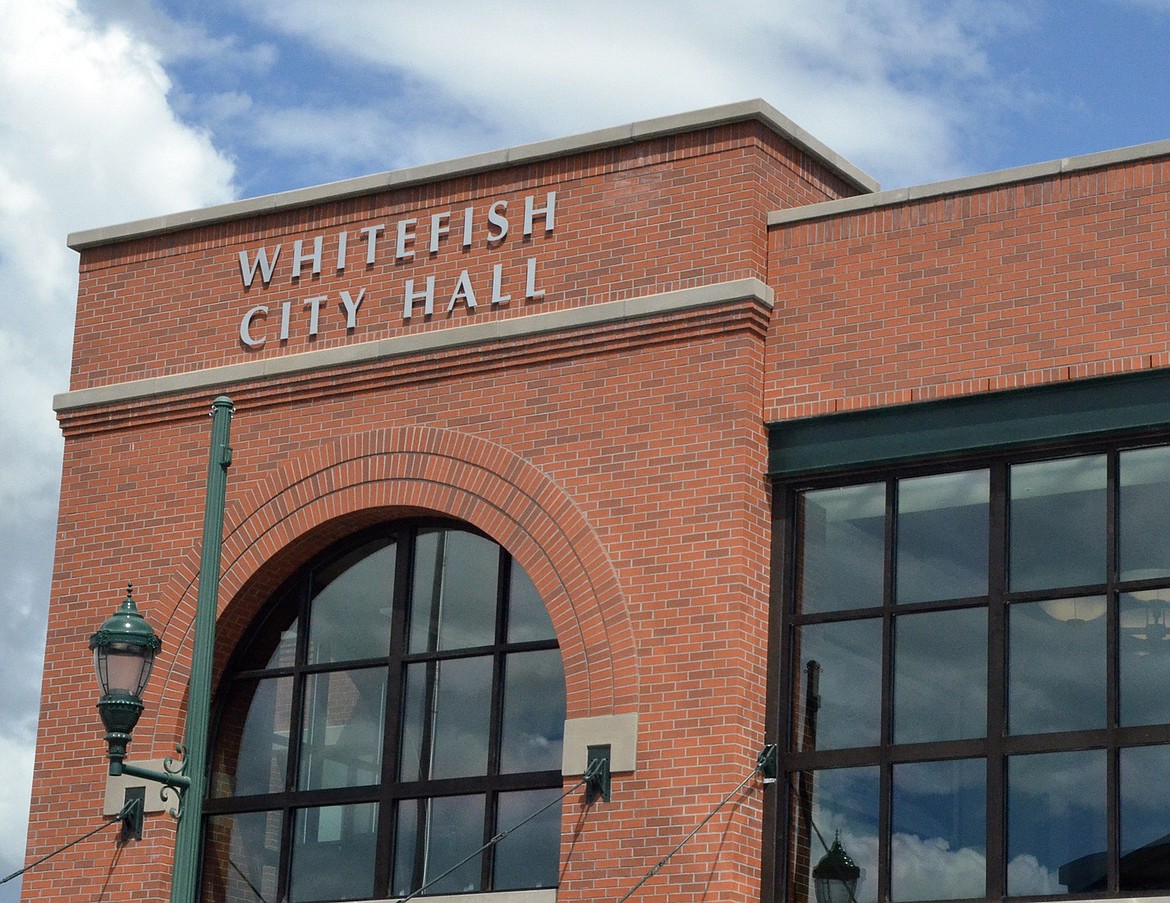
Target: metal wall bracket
(767, 763)
(133, 815)
(598, 783)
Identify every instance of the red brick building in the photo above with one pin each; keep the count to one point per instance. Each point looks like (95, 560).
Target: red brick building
(600, 442)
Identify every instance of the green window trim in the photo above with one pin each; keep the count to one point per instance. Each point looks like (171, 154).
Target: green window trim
(993, 420)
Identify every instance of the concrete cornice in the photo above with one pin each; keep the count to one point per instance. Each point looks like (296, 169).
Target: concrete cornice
(970, 183)
(749, 110)
(428, 342)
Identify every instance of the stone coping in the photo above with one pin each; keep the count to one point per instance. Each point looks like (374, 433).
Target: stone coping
(970, 183)
(757, 110)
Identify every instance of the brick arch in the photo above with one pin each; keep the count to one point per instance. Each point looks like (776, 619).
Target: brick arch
(311, 500)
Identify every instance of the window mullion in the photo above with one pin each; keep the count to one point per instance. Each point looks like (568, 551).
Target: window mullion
(1112, 676)
(997, 580)
(496, 726)
(885, 768)
(392, 726)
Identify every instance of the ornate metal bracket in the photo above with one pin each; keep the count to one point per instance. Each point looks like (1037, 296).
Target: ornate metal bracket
(173, 777)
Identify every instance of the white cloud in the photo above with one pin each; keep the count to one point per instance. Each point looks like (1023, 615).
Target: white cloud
(17, 756)
(1025, 875)
(87, 139)
(892, 83)
(926, 869)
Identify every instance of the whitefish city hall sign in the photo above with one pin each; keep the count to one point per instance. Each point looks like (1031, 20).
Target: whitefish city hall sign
(404, 241)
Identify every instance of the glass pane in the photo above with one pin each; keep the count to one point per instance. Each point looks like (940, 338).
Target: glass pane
(410, 814)
(1057, 523)
(534, 712)
(1144, 547)
(456, 581)
(843, 803)
(341, 736)
(1144, 646)
(527, 617)
(435, 834)
(842, 548)
(942, 536)
(939, 844)
(333, 853)
(940, 675)
(1056, 823)
(457, 696)
(530, 857)
(1145, 818)
(241, 855)
(251, 749)
(285, 653)
(273, 640)
(1056, 665)
(350, 614)
(847, 678)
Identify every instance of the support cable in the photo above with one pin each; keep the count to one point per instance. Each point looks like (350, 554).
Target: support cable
(710, 815)
(121, 816)
(589, 775)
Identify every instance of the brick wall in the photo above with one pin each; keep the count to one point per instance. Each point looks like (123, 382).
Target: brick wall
(622, 467)
(1018, 284)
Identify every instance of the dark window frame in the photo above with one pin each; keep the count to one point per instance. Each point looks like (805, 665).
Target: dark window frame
(291, 604)
(997, 745)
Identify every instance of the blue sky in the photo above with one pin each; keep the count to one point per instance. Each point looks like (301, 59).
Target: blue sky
(120, 109)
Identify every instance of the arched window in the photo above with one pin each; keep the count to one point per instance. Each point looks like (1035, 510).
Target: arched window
(401, 702)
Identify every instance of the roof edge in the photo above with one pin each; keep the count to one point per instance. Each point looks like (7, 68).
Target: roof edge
(757, 110)
(995, 179)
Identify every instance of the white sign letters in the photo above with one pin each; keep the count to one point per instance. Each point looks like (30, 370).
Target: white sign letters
(403, 243)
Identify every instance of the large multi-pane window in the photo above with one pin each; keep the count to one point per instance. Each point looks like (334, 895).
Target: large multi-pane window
(402, 702)
(979, 691)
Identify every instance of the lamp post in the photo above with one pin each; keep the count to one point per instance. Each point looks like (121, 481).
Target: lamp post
(835, 876)
(124, 649)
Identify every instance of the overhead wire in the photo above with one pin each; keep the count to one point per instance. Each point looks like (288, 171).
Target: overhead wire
(125, 812)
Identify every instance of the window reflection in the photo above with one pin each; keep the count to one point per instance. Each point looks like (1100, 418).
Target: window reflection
(242, 853)
(842, 553)
(527, 616)
(939, 844)
(1056, 665)
(456, 579)
(528, 856)
(942, 536)
(326, 698)
(849, 656)
(434, 835)
(841, 802)
(978, 616)
(1143, 500)
(1056, 822)
(341, 737)
(940, 675)
(449, 704)
(333, 853)
(251, 756)
(1145, 818)
(1057, 523)
(534, 712)
(1144, 651)
(353, 592)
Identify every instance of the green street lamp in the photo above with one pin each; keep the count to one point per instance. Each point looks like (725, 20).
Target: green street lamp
(124, 648)
(123, 652)
(835, 876)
